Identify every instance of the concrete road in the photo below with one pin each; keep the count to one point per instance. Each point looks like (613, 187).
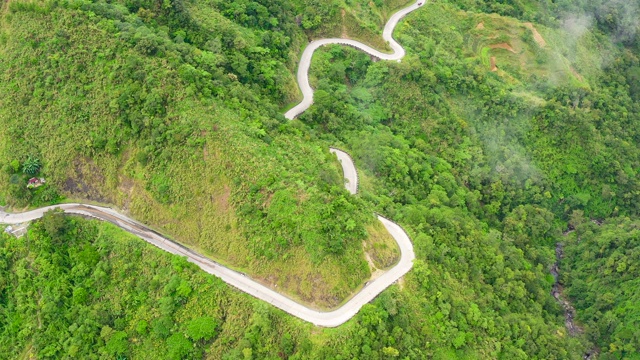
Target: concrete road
(349, 170)
(305, 59)
(234, 278)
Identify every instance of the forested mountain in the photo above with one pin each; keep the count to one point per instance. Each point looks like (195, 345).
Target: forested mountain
(507, 123)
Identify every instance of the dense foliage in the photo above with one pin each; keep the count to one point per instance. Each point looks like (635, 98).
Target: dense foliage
(443, 141)
(173, 111)
(602, 274)
(77, 289)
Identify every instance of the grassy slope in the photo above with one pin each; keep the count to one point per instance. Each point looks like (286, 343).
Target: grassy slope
(192, 184)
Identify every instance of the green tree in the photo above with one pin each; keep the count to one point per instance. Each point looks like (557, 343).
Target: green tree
(117, 344)
(202, 328)
(54, 222)
(179, 346)
(15, 165)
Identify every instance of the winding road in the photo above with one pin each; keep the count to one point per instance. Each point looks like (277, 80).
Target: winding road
(240, 281)
(349, 170)
(305, 59)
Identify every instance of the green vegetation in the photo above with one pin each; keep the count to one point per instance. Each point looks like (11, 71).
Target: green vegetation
(78, 288)
(602, 273)
(381, 247)
(103, 293)
(445, 143)
(158, 114)
(31, 166)
(357, 20)
(173, 111)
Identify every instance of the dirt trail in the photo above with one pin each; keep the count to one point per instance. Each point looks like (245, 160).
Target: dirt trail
(576, 74)
(375, 272)
(494, 67)
(504, 46)
(536, 35)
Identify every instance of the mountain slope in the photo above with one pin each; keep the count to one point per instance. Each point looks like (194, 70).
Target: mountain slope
(482, 142)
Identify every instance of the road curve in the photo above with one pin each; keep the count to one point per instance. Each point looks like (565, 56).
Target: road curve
(234, 278)
(375, 287)
(305, 59)
(240, 281)
(349, 170)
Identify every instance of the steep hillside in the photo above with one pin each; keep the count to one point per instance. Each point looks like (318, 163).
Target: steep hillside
(496, 121)
(120, 109)
(601, 269)
(503, 122)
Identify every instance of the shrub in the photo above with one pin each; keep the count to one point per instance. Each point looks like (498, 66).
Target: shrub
(31, 166)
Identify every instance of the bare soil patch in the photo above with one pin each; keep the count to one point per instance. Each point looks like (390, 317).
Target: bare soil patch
(222, 200)
(536, 35)
(576, 74)
(85, 181)
(504, 46)
(375, 272)
(493, 64)
(480, 26)
(126, 187)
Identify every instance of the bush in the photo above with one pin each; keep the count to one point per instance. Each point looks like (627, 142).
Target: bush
(31, 166)
(202, 328)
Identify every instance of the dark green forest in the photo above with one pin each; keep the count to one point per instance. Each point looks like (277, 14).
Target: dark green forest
(507, 124)
(601, 269)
